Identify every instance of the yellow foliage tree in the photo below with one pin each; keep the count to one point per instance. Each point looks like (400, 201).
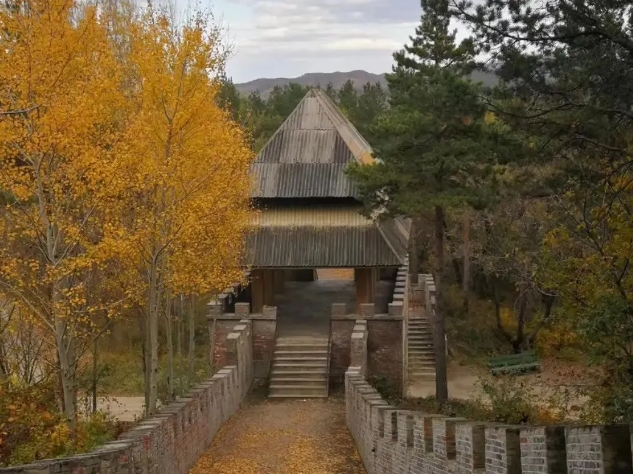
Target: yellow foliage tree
(189, 186)
(58, 133)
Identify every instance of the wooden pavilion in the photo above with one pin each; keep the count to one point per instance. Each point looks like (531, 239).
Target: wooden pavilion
(309, 212)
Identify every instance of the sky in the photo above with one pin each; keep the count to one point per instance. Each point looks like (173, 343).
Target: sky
(288, 38)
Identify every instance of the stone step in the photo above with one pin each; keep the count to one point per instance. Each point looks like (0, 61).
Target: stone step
(421, 368)
(421, 372)
(298, 371)
(302, 353)
(297, 391)
(419, 322)
(421, 378)
(301, 340)
(421, 350)
(299, 357)
(421, 355)
(300, 365)
(302, 346)
(297, 395)
(421, 346)
(293, 381)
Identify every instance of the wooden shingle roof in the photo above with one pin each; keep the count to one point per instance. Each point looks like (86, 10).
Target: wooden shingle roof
(307, 155)
(325, 236)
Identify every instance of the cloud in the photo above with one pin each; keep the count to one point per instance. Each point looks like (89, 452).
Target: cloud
(274, 38)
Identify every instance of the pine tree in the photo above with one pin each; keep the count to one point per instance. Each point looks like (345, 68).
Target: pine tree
(566, 87)
(433, 143)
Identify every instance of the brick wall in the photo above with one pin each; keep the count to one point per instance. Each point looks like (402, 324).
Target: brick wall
(384, 347)
(263, 346)
(171, 441)
(340, 351)
(221, 329)
(264, 327)
(407, 442)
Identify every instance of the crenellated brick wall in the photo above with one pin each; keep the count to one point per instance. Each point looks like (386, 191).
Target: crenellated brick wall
(392, 441)
(385, 345)
(264, 327)
(171, 441)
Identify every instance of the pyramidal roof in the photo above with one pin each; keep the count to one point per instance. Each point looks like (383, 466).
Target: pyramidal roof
(307, 155)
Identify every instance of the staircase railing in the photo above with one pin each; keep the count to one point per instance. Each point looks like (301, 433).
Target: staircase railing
(329, 359)
(272, 355)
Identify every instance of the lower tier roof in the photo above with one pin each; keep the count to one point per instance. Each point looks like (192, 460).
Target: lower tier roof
(325, 237)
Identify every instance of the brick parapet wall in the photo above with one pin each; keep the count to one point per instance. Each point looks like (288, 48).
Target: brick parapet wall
(171, 441)
(401, 442)
(399, 305)
(358, 349)
(264, 327)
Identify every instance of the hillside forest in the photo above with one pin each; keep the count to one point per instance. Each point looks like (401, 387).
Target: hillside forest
(124, 158)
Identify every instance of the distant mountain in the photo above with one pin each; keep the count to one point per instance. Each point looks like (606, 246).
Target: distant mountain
(359, 78)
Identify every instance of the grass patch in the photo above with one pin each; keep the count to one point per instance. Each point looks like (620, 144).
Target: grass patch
(507, 400)
(121, 373)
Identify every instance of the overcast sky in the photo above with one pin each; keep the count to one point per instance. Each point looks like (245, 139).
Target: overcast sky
(287, 38)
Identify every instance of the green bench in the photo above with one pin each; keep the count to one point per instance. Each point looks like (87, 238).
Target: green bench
(515, 364)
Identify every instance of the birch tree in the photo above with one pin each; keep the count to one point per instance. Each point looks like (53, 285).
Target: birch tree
(189, 183)
(58, 134)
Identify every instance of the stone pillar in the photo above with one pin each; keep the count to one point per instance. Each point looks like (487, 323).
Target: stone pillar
(269, 287)
(257, 291)
(365, 286)
(278, 281)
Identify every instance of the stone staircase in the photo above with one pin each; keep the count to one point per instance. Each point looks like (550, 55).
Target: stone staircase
(420, 351)
(300, 367)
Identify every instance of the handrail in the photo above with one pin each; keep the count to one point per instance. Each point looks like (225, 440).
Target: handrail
(329, 359)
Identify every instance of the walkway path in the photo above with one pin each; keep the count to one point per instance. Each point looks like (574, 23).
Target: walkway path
(284, 437)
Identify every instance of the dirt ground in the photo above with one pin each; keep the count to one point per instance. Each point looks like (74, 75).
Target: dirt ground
(554, 375)
(284, 437)
(121, 408)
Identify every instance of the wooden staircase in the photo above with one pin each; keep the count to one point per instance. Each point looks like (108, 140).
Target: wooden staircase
(300, 367)
(420, 351)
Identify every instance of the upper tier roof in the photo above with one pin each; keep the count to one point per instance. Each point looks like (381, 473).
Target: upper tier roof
(307, 155)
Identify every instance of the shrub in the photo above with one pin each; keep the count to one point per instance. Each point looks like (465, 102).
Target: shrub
(32, 428)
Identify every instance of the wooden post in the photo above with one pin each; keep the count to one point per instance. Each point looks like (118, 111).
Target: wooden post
(257, 291)
(278, 281)
(269, 287)
(365, 284)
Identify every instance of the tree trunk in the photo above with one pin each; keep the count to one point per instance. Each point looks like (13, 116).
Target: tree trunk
(441, 382)
(192, 342)
(4, 366)
(466, 256)
(95, 365)
(170, 348)
(67, 373)
(152, 340)
(212, 347)
(518, 341)
(143, 326)
(414, 249)
(179, 338)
